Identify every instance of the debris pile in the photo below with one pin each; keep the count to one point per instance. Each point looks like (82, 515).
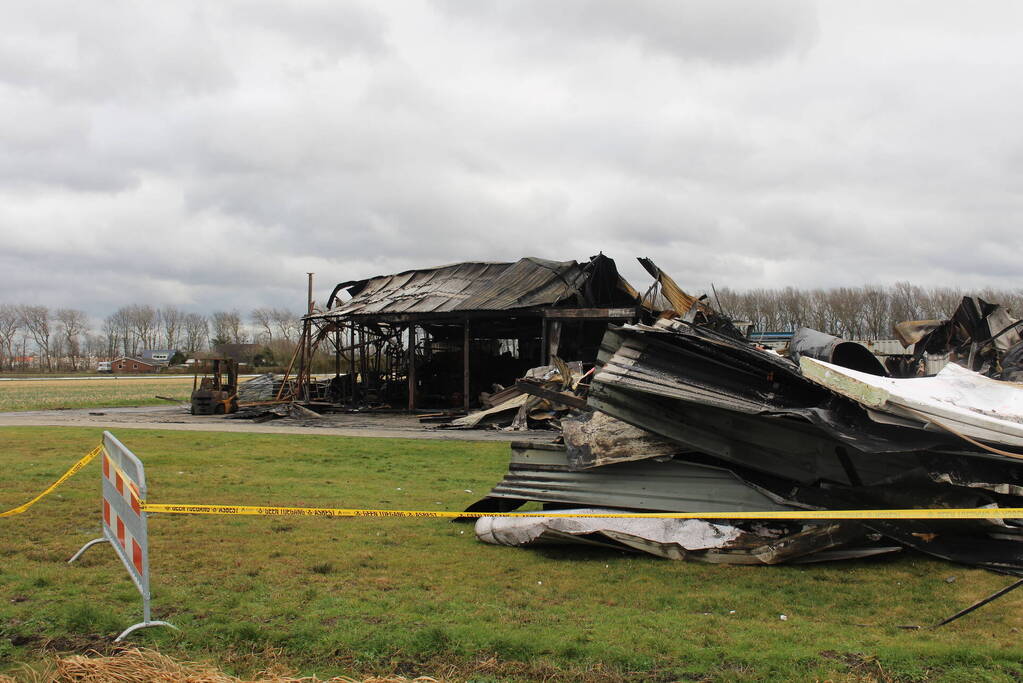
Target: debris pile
(259, 388)
(686, 415)
(537, 401)
(980, 336)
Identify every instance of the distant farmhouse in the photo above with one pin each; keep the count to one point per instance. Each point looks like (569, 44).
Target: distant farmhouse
(127, 366)
(158, 356)
(148, 360)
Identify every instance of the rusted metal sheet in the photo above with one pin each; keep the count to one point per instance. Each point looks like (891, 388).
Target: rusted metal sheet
(909, 332)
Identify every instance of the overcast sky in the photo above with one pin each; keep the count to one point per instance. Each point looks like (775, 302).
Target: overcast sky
(208, 154)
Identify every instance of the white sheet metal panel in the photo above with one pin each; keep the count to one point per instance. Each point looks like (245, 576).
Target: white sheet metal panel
(978, 406)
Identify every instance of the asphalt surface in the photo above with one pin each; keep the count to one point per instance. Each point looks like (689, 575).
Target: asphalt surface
(177, 417)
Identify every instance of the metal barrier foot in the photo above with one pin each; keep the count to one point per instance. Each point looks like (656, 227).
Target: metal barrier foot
(86, 547)
(143, 624)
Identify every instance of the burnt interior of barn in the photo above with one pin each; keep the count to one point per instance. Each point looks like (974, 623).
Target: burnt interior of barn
(437, 338)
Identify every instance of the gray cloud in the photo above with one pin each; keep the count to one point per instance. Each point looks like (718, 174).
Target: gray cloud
(121, 51)
(719, 31)
(209, 155)
(338, 29)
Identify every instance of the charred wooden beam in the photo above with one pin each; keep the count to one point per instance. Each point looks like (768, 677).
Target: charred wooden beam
(591, 313)
(570, 400)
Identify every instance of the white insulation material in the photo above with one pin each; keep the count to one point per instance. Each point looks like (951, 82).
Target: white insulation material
(687, 534)
(968, 402)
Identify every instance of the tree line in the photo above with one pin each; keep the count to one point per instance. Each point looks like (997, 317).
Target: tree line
(867, 312)
(65, 338)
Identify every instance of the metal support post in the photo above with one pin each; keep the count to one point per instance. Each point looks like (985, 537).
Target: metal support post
(465, 365)
(412, 367)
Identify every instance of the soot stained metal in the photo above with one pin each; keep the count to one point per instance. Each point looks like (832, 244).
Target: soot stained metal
(683, 413)
(440, 337)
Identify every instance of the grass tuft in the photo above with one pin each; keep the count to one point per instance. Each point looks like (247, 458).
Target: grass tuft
(87, 619)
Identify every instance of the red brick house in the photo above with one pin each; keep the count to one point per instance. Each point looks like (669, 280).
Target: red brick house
(127, 366)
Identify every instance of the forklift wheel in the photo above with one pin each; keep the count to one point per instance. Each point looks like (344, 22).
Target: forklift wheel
(218, 409)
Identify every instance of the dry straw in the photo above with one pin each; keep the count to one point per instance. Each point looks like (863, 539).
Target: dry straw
(148, 666)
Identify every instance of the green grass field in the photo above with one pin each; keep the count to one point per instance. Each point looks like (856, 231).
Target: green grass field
(423, 597)
(56, 394)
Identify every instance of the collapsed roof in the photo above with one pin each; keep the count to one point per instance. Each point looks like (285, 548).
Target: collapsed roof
(474, 286)
(685, 418)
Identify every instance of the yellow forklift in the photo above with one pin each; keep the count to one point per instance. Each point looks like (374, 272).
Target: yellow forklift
(216, 393)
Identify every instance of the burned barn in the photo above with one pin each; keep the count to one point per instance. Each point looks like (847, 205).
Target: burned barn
(438, 337)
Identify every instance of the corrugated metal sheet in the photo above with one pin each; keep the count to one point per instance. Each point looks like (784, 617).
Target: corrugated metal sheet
(527, 283)
(461, 287)
(544, 474)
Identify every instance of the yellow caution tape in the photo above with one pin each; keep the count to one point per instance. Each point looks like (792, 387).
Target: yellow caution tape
(915, 513)
(74, 469)
(923, 513)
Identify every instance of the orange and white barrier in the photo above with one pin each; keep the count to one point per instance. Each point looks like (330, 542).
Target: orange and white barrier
(124, 520)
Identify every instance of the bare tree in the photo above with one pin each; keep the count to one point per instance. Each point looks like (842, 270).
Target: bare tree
(227, 328)
(173, 320)
(943, 301)
(10, 324)
(36, 320)
(111, 335)
(853, 312)
(819, 310)
(727, 301)
(286, 323)
(118, 325)
(791, 307)
(759, 308)
(907, 302)
(847, 312)
(877, 320)
(263, 319)
(1014, 302)
(197, 332)
(73, 324)
(144, 325)
(23, 361)
(58, 351)
(98, 346)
